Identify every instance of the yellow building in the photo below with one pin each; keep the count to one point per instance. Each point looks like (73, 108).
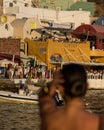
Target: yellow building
(54, 53)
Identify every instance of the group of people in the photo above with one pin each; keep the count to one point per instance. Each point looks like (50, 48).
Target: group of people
(19, 72)
(95, 74)
(64, 38)
(39, 72)
(72, 83)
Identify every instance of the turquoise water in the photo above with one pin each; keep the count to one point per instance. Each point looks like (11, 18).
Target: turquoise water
(17, 116)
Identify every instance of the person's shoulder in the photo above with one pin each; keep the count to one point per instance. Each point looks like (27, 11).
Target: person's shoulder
(101, 122)
(101, 116)
(55, 118)
(92, 116)
(91, 119)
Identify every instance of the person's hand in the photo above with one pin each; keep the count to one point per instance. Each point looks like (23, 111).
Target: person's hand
(58, 81)
(58, 78)
(49, 88)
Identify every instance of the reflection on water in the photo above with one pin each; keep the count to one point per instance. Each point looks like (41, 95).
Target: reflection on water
(15, 116)
(19, 116)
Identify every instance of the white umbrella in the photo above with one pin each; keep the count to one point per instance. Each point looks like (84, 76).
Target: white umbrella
(42, 63)
(5, 61)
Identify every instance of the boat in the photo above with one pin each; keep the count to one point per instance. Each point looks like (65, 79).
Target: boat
(27, 94)
(32, 97)
(10, 96)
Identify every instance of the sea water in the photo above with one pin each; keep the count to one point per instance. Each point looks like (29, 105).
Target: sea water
(15, 116)
(22, 116)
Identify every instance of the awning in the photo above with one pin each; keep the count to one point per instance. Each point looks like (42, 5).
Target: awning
(87, 63)
(89, 30)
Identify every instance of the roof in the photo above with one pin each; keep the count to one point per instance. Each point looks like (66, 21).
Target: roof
(18, 23)
(100, 21)
(91, 30)
(87, 63)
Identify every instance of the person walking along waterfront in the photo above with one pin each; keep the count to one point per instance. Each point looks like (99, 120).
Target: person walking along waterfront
(72, 115)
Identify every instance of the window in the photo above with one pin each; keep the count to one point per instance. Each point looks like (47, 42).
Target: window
(11, 4)
(6, 27)
(72, 25)
(42, 50)
(56, 58)
(26, 4)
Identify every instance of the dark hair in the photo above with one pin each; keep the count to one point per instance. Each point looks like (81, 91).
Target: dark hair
(75, 80)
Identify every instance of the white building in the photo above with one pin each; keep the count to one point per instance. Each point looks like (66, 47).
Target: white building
(12, 6)
(25, 28)
(31, 28)
(14, 3)
(6, 30)
(67, 17)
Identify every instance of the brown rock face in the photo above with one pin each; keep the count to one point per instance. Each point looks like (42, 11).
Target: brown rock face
(1, 7)
(99, 7)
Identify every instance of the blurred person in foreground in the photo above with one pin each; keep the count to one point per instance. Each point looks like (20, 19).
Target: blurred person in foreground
(72, 83)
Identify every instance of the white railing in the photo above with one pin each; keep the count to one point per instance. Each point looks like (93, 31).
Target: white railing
(96, 83)
(93, 83)
(22, 81)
